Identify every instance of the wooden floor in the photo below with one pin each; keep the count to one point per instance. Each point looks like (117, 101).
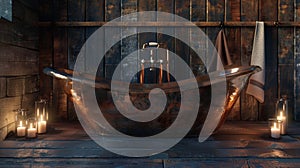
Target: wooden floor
(237, 144)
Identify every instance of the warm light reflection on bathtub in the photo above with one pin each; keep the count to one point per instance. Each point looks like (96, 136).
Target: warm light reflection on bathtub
(75, 96)
(234, 70)
(58, 75)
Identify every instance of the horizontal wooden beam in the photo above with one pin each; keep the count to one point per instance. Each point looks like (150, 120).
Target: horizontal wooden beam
(166, 24)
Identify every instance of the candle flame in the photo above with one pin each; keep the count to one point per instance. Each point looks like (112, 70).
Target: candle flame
(275, 125)
(31, 125)
(21, 123)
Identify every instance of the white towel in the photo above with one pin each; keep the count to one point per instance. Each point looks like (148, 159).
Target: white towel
(257, 80)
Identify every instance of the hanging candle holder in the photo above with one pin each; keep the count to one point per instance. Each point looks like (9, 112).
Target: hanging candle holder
(20, 122)
(282, 113)
(31, 128)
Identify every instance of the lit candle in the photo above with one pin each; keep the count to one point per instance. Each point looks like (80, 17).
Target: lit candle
(21, 130)
(282, 118)
(160, 71)
(37, 112)
(275, 131)
(42, 125)
(142, 75)
(168, 66)
(31, 132)
(44, 111)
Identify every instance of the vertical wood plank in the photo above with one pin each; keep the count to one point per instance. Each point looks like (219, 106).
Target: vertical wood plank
(146, 37)
(216, 11)
(76, 39)
(95, 11)
(60, 60)
(45, 56)
(233, 35)
(182, 9)
(297, 64)
(113, 56)
(129, 44)
(267, 109)
(249, 105)
(285, 52)
(198, 13)
(168, 42)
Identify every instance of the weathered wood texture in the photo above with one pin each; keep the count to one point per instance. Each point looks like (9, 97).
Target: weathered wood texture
(19, 67)
(233, 13)
(249, 105)
(286, 52)
(296, 64)
(267, 109)
(238, 144)
(281, 56)
(60, 59)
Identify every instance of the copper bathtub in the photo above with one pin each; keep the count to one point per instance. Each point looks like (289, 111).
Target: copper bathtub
(236, 80)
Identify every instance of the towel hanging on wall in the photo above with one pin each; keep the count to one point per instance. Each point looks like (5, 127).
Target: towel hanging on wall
(257, 81)
(223, 53)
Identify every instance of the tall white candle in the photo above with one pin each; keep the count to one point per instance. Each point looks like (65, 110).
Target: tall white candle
(44, 111)
(21, 130)
(42, 125)
(275, 131)
(31, 132)
(37, 112)
(283, 125)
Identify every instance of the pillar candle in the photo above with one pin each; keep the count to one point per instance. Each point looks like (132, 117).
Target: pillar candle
(142, 75)
(168, 66)
(160, 72)
(42, 125)
(282, 118)
(31, 132)
(21, 130)
(275, 131)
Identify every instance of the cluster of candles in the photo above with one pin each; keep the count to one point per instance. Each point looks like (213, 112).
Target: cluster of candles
(30, 127)
(279, 125)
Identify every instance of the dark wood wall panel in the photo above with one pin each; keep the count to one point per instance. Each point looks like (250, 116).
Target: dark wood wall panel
(182, 9)
(76, 39)
(169, 42)
(297, 64)
(198, 13)
(281, 56)
(129, 44)
(113, 56)
(249, 105)
(286, 52)
(95, 11)
(60, 59)
(233, 34)
(267, 109)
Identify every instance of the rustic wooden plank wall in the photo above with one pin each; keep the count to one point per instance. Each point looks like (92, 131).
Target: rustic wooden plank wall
(19, 69)
(281, 56)
(296, 63)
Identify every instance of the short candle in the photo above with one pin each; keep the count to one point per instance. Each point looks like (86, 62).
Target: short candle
(275, 131)
(31, 132)
(21, 130)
